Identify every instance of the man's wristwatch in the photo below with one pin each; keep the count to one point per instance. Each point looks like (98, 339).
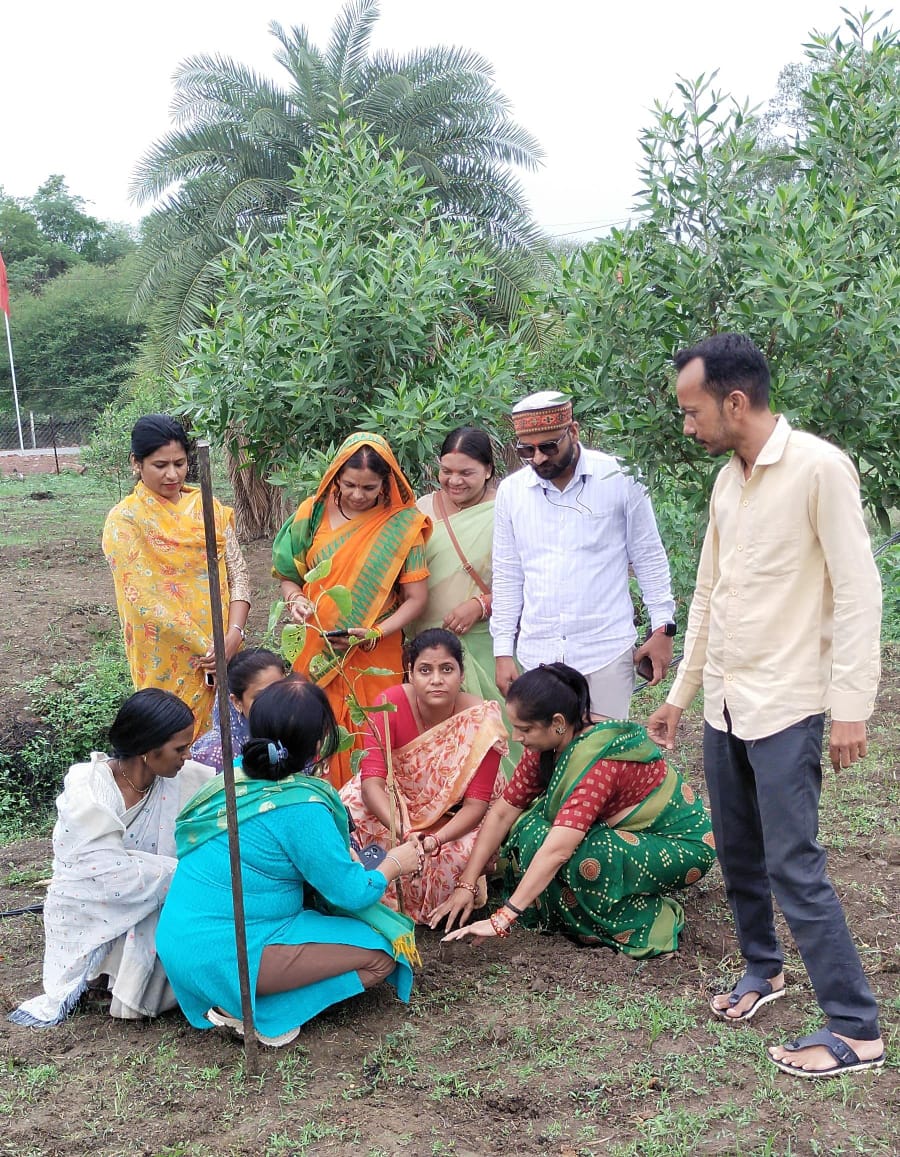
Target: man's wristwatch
(670, 629)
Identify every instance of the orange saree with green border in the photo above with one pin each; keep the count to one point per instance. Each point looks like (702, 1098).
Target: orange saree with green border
(371, 556)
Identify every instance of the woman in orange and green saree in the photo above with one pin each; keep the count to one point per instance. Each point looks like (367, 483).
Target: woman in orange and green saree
(363, 520)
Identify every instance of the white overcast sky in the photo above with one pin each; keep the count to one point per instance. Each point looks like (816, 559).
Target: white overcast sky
(85, 88)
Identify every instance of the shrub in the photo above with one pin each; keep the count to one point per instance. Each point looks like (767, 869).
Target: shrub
(74, 715)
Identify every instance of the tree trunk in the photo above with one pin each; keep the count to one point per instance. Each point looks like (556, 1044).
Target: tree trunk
(259, 509)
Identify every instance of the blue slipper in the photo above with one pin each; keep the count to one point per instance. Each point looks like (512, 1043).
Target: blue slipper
(765, 993)
(846, 1060)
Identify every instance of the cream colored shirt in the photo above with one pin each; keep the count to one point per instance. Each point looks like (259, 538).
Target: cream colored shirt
(786, 616)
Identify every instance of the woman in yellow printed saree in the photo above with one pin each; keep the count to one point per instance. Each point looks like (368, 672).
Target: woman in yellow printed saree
(598, 830)
(363, 519)
(445, 748)
(155, 545)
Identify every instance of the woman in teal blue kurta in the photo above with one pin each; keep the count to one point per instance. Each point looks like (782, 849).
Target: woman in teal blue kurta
(303, 956)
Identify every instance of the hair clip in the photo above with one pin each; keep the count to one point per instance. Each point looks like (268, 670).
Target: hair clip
(277, 754)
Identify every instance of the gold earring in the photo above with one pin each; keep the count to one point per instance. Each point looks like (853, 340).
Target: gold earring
(560, 730)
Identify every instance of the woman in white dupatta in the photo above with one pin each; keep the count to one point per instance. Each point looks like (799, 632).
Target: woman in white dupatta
(113, 860)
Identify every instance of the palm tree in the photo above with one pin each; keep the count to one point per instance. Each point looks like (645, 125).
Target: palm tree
(225, 168)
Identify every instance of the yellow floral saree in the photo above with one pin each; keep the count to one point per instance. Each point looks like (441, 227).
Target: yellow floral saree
(157, 553)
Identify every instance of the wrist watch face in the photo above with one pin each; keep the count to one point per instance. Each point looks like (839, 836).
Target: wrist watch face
(670, 629)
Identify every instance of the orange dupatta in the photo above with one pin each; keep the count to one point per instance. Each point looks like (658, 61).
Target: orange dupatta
(434, 769)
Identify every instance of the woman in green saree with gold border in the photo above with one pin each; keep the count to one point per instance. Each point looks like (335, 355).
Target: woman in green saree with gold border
(598, 830)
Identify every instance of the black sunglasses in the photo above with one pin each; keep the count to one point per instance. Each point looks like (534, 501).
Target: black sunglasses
(548, 449)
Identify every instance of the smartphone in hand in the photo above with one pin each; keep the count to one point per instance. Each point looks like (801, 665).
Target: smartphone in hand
(371, 856)
(645, 668)
(344, 634)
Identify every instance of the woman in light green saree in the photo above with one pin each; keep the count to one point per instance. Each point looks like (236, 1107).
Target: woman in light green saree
(458, 555)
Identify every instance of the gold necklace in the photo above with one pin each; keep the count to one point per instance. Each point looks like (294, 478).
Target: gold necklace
(419, 719)
(136, 790)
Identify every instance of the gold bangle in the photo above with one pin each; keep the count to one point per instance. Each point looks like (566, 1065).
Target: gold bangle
(468, 887)
(372, 642)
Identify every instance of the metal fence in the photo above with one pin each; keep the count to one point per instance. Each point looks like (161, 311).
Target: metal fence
(45, 431)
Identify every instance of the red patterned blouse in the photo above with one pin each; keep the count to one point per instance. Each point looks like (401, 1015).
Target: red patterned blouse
(609, 787)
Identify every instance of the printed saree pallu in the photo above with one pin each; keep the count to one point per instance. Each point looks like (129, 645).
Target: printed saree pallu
(613, 888)
(157, 553)
(431, 774)
(368, 556)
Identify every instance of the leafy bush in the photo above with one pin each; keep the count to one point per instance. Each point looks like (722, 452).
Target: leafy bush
(889, 566)
(74, 715)
(75, 343)
(367, 310)
(107, 454)
(807, 268)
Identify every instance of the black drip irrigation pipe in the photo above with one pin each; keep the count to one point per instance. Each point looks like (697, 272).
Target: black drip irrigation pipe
(22, 911)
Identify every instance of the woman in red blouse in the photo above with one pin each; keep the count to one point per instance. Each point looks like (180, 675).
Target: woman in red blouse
(597, 828)
(434, 749)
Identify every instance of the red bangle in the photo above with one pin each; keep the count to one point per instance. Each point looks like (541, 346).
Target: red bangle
(501, 930)
(468, 887)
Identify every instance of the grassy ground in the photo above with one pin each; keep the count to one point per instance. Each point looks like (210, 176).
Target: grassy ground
(525, 1046)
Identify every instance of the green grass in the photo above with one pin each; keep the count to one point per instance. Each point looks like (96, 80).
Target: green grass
(75, 512)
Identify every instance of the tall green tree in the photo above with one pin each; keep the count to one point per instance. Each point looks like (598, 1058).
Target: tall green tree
(363, 312)
(808, 268)
(74, 343)
(228, 166)
(44, 235)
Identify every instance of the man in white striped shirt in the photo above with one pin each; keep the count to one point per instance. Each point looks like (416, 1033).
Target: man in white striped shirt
(567, 528)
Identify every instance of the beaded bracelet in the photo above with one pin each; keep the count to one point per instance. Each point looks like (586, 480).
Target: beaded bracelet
(468, 887)
(501, 930)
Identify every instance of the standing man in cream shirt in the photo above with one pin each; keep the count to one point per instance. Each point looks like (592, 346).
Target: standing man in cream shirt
(784, 624)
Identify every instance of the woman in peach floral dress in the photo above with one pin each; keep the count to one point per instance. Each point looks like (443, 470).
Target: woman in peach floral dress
(435, 751)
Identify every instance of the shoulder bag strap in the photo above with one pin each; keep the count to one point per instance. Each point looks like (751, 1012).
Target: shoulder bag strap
(466, 565)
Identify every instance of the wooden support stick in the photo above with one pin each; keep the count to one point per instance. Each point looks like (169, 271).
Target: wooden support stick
(251, 1047)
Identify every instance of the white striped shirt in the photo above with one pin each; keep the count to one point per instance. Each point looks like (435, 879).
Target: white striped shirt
(561, 559)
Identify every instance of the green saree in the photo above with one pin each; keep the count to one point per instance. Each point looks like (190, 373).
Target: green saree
(613, 889)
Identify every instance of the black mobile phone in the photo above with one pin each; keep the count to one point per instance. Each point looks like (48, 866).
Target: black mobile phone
(372, 856)
(337, 634)
(209, 678)
(645, 668)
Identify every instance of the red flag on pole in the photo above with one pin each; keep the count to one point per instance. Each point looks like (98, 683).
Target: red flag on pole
(4, 288)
